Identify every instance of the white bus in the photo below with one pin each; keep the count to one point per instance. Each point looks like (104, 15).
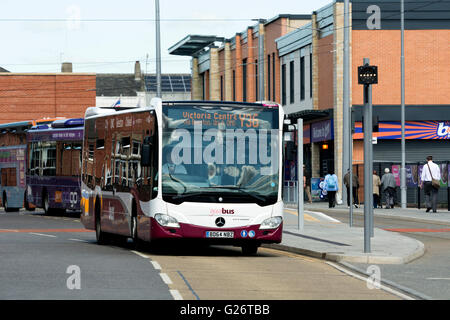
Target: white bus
(210, 171)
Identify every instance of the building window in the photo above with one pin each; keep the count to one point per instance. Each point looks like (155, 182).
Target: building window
(256, 81)
(302, 78)
(268, 77)
(234, 85)
(291, 82)
(310, 76)
(283, 84)
(244, 80)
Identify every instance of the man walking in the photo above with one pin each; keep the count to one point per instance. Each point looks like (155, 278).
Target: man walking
(355, 186)
(430, 172)
(388, 182)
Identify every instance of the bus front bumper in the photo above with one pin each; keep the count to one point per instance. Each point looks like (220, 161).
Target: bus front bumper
(240, 234)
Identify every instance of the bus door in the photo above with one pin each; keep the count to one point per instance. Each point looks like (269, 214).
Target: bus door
(145, 153)
(120, 204)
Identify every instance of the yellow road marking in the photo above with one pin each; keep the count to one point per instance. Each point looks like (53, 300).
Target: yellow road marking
(307, 216)
(290, 254)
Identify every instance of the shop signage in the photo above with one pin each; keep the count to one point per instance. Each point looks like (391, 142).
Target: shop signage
(322, 131)
(421, 130)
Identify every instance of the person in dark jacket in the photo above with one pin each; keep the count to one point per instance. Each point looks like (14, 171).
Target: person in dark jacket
(388, 183)
(355, 186)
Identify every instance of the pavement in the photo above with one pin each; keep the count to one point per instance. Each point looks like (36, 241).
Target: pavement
(326, 238)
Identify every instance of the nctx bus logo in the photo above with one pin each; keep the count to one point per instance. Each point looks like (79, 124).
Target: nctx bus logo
(221, 211)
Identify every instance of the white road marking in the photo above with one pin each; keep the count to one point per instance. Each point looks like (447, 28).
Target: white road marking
(140, 254)
(438, 278)
(44, 235)
(322, 215)
(165, 278)
(156, 265)
(176, 295)
(79, 240)
(401, 295)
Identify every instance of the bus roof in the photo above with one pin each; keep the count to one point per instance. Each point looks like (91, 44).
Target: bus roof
(13, 127)
(60, 124)
(106, 111)
(45, 120)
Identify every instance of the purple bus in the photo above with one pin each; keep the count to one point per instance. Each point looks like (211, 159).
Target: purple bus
(54, 157)
(12, 164)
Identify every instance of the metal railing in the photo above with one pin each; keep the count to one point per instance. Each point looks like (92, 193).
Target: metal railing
(290, 192)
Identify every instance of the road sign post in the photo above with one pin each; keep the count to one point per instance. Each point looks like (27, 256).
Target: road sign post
(367, 76)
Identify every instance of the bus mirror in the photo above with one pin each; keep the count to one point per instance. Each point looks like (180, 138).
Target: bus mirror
(145, 156)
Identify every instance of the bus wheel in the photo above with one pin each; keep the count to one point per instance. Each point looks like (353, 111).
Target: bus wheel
(250, 249)
(46, 204)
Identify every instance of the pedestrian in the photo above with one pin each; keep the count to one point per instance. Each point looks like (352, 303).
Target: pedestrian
(388, 182)
(431, 177)
(355, 186)
(331, 186)
(376, 189)
(307, 184)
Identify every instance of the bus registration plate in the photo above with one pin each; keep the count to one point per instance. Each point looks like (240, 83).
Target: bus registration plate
(219, 234)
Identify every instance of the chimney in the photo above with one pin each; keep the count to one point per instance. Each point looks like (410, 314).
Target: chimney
(137, 71)
(66, 67)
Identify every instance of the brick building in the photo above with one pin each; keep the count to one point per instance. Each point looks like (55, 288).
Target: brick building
(302, 68)
(30, 96)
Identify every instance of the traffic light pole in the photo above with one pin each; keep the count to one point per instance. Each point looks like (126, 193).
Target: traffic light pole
(368, 178)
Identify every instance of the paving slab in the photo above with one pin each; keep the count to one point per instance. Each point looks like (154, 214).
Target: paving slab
(335, 241)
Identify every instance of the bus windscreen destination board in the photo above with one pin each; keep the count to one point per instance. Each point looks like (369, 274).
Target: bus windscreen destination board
(56, 135)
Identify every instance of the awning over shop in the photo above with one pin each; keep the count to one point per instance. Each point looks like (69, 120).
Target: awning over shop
(308, 115)
(193, 44)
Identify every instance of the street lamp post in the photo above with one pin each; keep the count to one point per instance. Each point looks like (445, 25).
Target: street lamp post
(347, 160)
(158, 51)
(403, 147)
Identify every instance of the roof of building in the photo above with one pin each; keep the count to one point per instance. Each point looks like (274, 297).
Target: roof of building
(192, 44)
(114, 85)
(3, 70)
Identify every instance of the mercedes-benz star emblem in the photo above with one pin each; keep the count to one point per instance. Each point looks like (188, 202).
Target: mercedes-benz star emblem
(220, 222)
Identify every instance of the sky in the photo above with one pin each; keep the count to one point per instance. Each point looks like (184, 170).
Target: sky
(109, 36)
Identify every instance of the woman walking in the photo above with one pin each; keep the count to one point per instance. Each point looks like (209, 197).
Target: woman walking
(331, 186)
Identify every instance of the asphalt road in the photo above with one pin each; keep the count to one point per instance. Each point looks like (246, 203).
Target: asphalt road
(429, 274)
(55, 258)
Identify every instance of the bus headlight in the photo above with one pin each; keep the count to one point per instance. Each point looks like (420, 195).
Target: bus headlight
(166, 220)
(271, 223)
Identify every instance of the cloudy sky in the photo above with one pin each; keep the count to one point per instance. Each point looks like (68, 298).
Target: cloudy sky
(109, 36)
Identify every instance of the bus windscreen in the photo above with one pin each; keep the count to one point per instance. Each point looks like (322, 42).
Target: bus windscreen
(220, 153)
